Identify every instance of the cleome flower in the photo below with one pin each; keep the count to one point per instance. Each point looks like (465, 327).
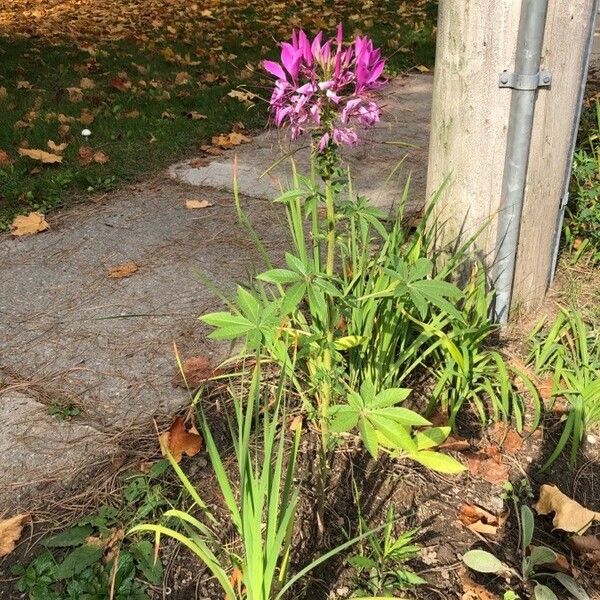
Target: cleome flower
(326, 87)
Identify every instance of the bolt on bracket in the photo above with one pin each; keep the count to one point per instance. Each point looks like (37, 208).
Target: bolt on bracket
(518, 81)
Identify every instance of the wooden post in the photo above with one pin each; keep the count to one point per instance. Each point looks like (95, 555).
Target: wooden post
(476, 42)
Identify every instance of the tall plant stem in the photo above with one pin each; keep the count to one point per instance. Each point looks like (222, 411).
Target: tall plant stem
(330, 207)
(326, 388)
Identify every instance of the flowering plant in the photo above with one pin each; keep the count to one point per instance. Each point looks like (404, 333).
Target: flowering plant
(326, 87)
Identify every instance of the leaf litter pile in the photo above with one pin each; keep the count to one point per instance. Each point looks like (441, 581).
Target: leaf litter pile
(93, 94)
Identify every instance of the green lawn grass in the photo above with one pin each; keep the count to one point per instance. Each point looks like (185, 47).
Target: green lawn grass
(148, 125)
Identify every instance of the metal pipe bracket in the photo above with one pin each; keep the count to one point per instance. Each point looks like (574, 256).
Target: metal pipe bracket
(517, 81)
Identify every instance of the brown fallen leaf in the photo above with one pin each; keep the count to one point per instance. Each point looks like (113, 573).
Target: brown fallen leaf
(86, 117)
(4, 158)
(30, 224)
(87, 84)
(182, 78)
(569, 515)
(295, 423)
(196, 116)
(488, 465)
(24, 85)
(506, 437)
(86, 155)
(41, 155)
(199, 162)
(179, 440)
(10, 532)
(168, 115)
(455, 443)
(211, 150)
(191, 203)
(133, 114)
(471, 589)
(57, 148)
(480, 520)
(120, 84)
(244, 97)
(100, 157)
(3, 93)
(75, 94)
(422, 69)
(584, 544)
(197, 370)
(123, 270)
(229, 140)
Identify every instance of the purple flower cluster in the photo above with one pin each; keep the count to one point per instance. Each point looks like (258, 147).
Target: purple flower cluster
(326, 87)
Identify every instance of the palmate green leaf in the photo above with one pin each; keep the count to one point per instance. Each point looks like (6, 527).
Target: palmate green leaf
(432, 437)
(368, 436)
(228, 326)
(343, 418)
(482, 562)
(402, 415)
(392, 435)
(438, 461)
(389, 397)
(292, 298)
(249, 305)
(281, 276)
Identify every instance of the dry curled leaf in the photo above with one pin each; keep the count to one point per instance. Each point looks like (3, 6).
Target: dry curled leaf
(100, 157)
(245, 97)
(4, 158)
(506, 437)
(480, 520)
(229, 140)
(488, 465)
(24, 85)
(120, 84)
(191, 203)
(123, 270)
(75, 94)
(179, 440)
(57, 148)
(41, 155)
(569, 515)
(10, 532)
(182, 78)
(196, 370)
(86, 117)
(471, 589)
(86, 83)
(199, 162)
(196, 116)
(29, 224)
(212, 150)
(3, 93)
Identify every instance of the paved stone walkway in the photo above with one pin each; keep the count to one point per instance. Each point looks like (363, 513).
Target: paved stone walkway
(71, 334)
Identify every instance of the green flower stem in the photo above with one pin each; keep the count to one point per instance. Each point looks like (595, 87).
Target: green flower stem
(330, 206)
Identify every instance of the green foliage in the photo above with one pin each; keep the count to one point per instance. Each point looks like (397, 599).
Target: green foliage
(480, 377)
(582, 229)
(63, 411)
(380, 565)
(361, 304)
(75, 564)
(533, 559)
(260, 498)
(569, 352)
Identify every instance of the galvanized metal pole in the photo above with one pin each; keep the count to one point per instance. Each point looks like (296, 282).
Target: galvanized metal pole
(524, 83)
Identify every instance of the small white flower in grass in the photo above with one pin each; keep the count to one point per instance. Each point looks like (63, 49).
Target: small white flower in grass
(86, 133)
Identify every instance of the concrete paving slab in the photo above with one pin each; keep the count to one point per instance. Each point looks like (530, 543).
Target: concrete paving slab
(70, 332)
(37, 448)
(405, 120)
